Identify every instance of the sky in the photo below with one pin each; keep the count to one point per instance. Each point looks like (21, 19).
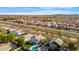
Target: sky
(39, 10)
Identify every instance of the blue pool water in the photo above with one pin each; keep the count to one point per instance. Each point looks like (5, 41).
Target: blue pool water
(35, 47)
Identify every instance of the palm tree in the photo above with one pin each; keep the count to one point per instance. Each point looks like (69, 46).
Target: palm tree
(10, 37)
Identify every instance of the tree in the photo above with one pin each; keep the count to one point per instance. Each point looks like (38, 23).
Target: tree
(2, 37)
(20, 41)
(73, 44)
(10, 37)
(43, 41)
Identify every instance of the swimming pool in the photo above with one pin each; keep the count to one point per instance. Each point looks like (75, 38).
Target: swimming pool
(35, 47)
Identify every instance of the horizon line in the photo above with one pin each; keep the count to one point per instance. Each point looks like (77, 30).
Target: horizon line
(34, 14)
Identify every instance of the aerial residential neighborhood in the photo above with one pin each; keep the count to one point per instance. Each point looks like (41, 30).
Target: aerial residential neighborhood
(38, 35)
(45, 32)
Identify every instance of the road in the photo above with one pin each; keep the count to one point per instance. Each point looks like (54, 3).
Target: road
(45, 29)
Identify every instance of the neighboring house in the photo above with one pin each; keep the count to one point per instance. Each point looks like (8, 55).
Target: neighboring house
(53, 46)
(11, 30)
(33, 39)
(28, 37)
(17, 32)
(5, 28)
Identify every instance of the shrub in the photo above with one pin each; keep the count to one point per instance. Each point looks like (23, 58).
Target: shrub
(43, 41)
(20, 41)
